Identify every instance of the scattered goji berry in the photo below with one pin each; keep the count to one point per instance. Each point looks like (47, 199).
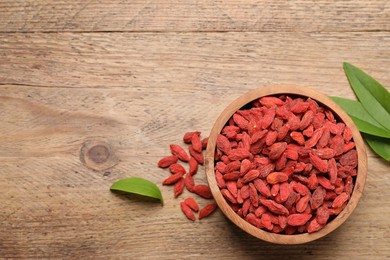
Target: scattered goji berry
(167, 161)
(192, 204)
(179, 152)
(187, 211)
(207, 210)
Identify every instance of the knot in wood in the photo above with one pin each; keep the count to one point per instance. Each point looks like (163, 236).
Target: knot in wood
(97, 155)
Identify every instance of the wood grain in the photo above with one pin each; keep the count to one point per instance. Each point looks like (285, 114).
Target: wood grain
(223, 62)
(174, 15)
(136, 76)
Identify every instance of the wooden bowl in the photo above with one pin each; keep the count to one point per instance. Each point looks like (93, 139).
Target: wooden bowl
(322, 100)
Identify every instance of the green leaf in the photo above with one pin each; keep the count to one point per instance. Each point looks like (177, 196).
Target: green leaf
(372, 96)
(381, 146)
(372, 85)
(361, 118)
(367, 128)
(138, 186)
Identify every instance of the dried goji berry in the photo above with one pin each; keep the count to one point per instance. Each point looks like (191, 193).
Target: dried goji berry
(280, 163)
(223, 144)
(350, 158)
(245, 166)
(340, 200)
(313, 182)
(228, 196)
(232, 176)
(312, 141)
(232, 166)
(325, 153)
(298, 137)
(314, 226)
(179, 187)
(188, 136)
(189, 182)
(271, 101)
(192, 204)
(317, 197)
(308, 132)
(347, 134)
(322, 215)
(203, 191)
(197, 156)
(253, 195)
(250, 176)
(317, 162)
(274, 207)
(276, 150)
(252, 219)
(232, 187)
(196, 143)
(302, 203)
(266, 221)
(277, 177)
(284, 191)
(298, 219)
(306, 120)
(179, 152)
(177, 168)
(301, 189)
(239, 154)
(332, 170)
(207, 210)
(187, 211)
(268, 118)
(167, 161)
(240, 121)
(324, 182)
(299, 107)
(245, 207)
(275, 189)
(193, 166)
(172, 179)
(266, 170)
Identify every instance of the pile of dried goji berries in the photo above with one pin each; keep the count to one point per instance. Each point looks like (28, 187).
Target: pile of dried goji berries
(181, 178)
(286, 164)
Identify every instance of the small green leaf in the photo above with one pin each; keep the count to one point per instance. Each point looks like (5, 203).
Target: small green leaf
(138, 186)
(370, 97)
(381, 146)
(361, 118)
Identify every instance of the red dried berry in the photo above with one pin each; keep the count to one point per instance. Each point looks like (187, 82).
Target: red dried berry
(172, 179)
(298, 219)
(189, 182)
(277, 177)
(179, 187)
(177, 168)
(179, 152)
(207, 210)
(196, 143)
(203, 191)
(188, 136)
(187, 211)
(192, 204)
(166, 161)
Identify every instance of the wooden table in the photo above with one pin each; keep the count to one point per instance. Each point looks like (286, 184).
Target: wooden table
(124, 79)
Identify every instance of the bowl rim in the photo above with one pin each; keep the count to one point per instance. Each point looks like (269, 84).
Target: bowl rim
(323, 100)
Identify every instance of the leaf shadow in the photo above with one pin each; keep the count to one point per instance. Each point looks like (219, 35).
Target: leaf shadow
(139, 199)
